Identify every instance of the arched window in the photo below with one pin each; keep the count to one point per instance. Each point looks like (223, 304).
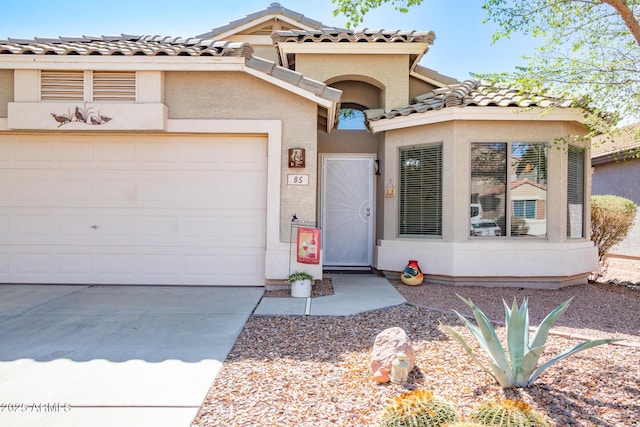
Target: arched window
(351, 119)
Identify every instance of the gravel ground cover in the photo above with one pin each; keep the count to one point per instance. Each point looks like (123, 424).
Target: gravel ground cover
(314, 371)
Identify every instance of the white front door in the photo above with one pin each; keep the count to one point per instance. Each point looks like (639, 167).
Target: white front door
(347, 210)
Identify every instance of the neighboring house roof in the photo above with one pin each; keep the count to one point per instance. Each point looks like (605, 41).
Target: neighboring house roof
(273, 9)
(606, 148)
(526, 181)
(470, 93)
(125, 45)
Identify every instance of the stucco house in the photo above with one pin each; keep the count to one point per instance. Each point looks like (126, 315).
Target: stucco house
(160, 160)
(616, 170)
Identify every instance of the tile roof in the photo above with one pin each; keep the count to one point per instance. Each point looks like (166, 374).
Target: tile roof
(470, 93)
(294, 78)
(124, 45)
(273, 9)
(627, 141)
(322, 35)
(128, 45)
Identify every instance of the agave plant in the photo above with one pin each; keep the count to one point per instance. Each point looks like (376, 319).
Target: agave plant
(519, 370)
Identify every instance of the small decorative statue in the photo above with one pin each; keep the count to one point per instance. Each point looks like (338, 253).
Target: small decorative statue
(400, 369)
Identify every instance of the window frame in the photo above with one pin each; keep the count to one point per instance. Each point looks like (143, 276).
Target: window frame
(509, 203)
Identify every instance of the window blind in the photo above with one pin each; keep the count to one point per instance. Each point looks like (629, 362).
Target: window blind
(575, 193)
(421, 191)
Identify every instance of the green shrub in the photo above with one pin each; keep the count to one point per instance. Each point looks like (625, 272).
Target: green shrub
(512, 413)
(611, 219)
(418, 408)
(519, 369)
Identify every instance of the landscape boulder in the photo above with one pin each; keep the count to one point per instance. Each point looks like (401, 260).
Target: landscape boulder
(386, 346)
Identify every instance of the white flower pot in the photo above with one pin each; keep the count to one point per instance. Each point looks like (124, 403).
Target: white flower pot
(301, 289)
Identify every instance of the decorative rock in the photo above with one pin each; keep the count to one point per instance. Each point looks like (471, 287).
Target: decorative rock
(381, 375)
(387, 345)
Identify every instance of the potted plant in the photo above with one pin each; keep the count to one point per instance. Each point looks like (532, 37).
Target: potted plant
(300, 284)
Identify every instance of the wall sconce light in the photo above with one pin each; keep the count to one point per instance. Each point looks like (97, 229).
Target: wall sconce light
(389, 190)
(296, 158)
(377, 167)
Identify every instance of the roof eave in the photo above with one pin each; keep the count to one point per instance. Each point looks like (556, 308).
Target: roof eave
(122, 63)
(476, 113)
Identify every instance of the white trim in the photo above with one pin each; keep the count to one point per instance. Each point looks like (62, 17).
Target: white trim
(337, 48)
(122, 63)
(477, 113)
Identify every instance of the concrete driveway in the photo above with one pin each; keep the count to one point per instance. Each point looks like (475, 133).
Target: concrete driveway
(114, 355)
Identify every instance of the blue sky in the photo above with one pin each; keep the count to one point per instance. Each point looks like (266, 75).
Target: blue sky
(463, 43)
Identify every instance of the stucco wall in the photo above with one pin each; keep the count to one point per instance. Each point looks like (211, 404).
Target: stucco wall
(419, 87)
(616, 178)
(6, 91)
(621, 178)
(224, 95)
(392, 78)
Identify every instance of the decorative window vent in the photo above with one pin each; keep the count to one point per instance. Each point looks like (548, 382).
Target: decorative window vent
(62, 85)
(100, 86)
(114, 86)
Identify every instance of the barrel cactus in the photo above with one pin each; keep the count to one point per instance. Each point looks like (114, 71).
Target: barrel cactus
(464, 424)
(508, 412)
(419, 408)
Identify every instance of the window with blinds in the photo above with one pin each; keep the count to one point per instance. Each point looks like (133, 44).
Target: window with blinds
(508, 189)
(114, 86)
(420, 192)
(575, 193)
(62, 85)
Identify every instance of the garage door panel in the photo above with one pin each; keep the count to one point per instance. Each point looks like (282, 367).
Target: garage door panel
(149, 209)
(116, 266)
(76, 265)
(36, 266)
(111, 153)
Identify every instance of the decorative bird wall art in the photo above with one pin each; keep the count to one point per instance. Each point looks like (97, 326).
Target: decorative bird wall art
(82, 115)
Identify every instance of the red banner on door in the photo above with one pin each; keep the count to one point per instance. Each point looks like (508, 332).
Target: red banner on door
(308, 245)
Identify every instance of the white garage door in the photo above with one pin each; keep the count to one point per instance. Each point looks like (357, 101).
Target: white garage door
(136, 209)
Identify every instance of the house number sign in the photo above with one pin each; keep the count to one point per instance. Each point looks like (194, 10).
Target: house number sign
(298, 179)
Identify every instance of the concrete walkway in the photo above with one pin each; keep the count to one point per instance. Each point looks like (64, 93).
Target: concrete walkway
(114, 356)
(353, 294)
